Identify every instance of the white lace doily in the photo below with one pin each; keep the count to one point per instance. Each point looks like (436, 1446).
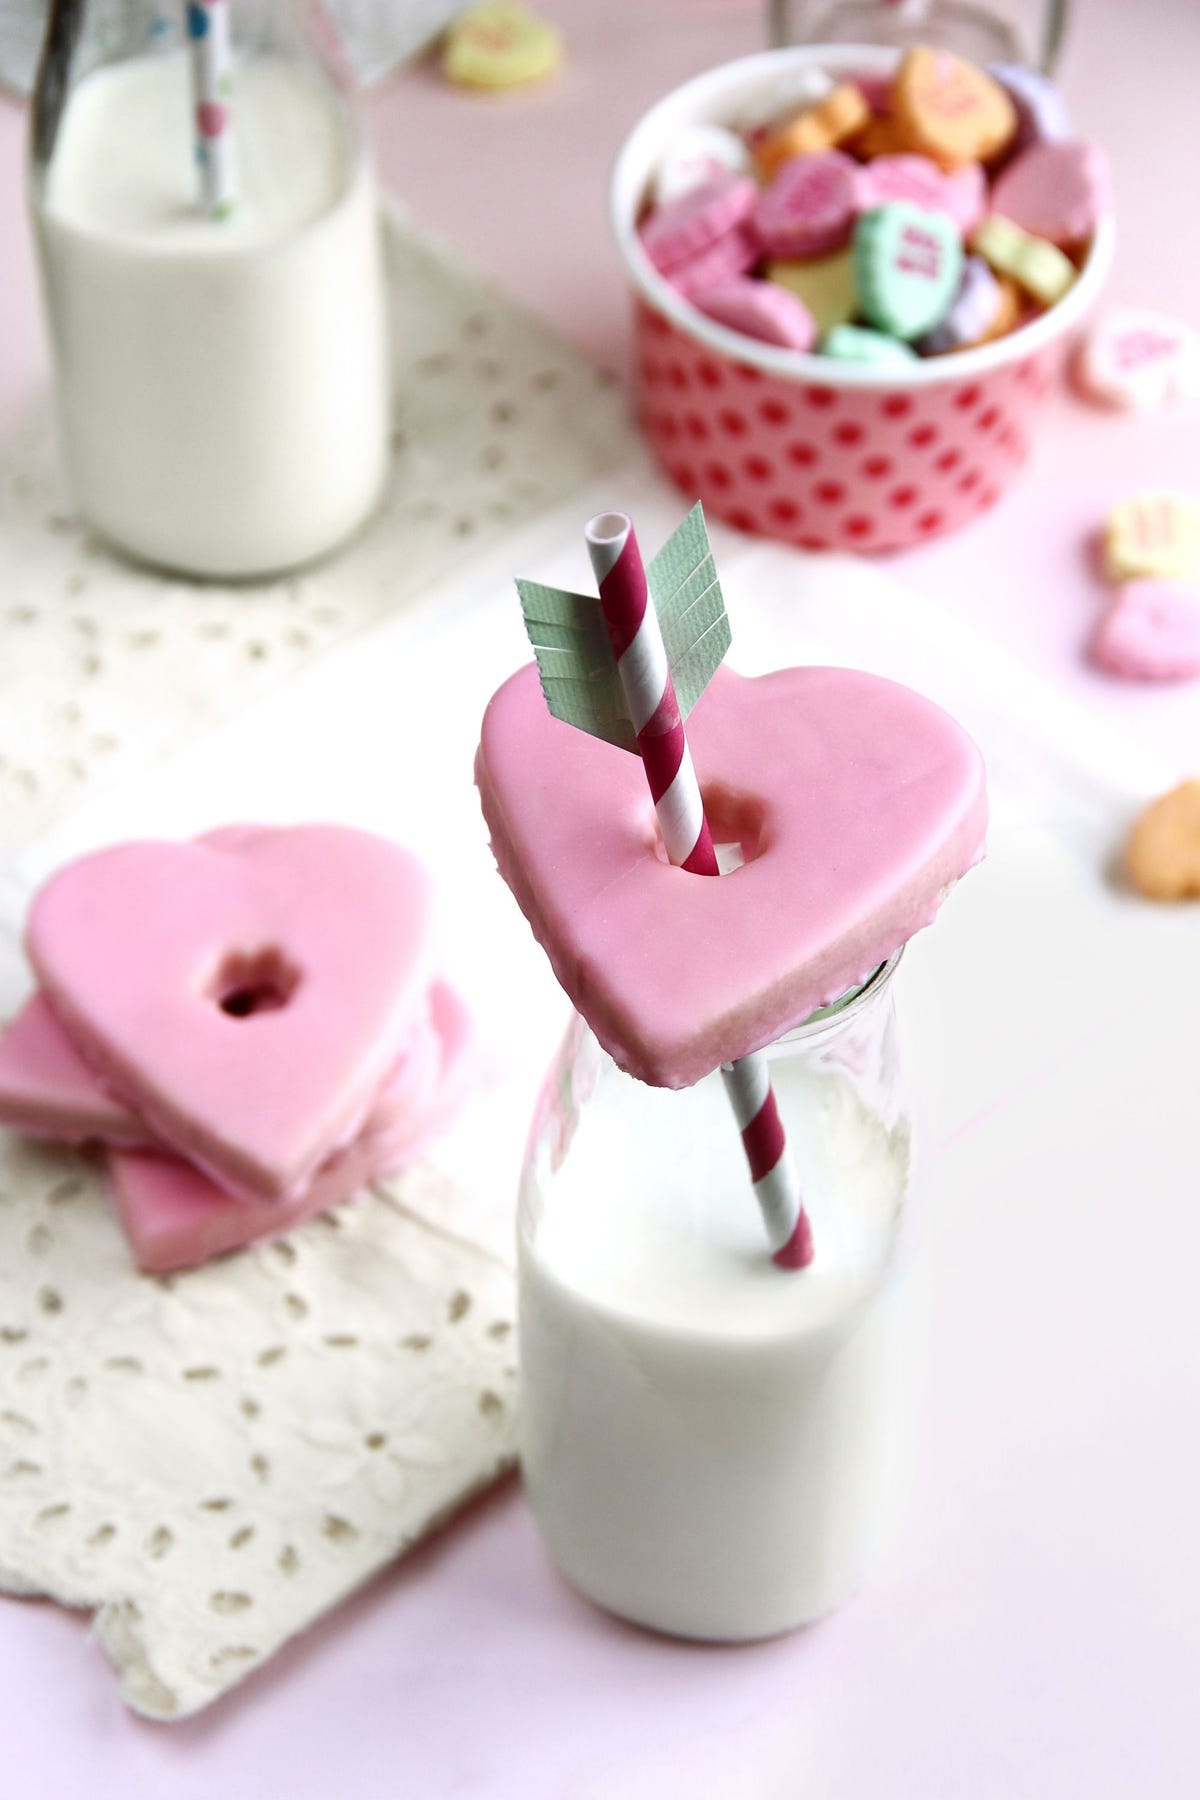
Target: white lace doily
(104, 667)
(211, 1460)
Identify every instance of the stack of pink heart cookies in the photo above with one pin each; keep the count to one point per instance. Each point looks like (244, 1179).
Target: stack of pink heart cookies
(249, 1023)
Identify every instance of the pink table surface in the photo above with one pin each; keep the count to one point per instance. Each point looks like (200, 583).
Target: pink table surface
(1029, 1638)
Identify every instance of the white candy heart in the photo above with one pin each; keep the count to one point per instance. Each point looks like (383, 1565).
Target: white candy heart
(1138, 359)
(693, 157)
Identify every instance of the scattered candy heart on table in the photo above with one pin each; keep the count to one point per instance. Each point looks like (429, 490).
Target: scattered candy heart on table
(1153, 535)
(1163, 853)
(501, 44)
(1150, 632)
(1135, 358)
(855, 801)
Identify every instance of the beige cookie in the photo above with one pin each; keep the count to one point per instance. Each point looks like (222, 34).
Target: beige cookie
(1163, 853)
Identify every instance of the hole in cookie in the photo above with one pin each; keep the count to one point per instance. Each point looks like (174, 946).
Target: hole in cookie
(255, 981)
(737, 823)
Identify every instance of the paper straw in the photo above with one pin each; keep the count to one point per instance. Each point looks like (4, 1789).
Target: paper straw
(212, 85)
(641, 658)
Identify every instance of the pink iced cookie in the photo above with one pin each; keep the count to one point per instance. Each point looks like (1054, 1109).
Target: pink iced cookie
(48, 1091)
(723, 261)
(962, 194)
(246, 999)
(760, 309)
(174, 1217)
(809, 207)
(1134, 358)
(1151, 632)
(856, 802)
(1057, 191)
(683, 229)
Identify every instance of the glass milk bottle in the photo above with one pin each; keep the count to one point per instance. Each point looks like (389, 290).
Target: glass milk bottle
(208, 234)
(712, 1446)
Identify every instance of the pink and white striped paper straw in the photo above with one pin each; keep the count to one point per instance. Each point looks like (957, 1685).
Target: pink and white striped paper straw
(645, 673)
(212, 84)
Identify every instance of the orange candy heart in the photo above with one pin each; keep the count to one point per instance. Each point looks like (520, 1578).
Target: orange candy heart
(948, 109)
(821, 127)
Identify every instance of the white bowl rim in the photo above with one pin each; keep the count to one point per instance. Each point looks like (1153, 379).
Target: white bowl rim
(632, 169)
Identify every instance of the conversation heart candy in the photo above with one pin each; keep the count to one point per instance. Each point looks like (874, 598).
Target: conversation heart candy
(907, 264)
(1136, 358)
(761, 310)
(1163, 852)
(809, 207)
(973, 312)
(821, 127)
(825, 284)
(694, 222)
(871, 801)
(1150, 632)
(880, 136)
(1042, 115)
(1039, 267)
(245, 998)
(501, 44)
(961, 194)
(1056, 191)
(696, 155)
(949, 109)
(858, 344)
(723, 261)
(1155, 535)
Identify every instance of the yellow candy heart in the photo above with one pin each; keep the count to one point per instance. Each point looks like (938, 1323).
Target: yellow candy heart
(501, 44)
(824, 283)
(1153, 535)
(1039, 267)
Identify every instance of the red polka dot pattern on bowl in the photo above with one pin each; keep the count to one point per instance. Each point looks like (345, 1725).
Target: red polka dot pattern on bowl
(833, 468)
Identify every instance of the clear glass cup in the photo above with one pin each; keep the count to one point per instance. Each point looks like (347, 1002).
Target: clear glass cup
(981, 33)
(714, 1447)
(222, 382)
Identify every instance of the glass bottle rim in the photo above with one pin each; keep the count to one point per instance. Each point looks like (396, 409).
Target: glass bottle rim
(847, 1005)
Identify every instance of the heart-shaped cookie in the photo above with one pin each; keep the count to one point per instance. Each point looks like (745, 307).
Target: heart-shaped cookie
(1151, 632)
(245, 997)
(856, 804)
(175, 1218)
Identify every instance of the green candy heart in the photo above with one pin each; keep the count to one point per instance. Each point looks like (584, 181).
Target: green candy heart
(907, 266)
(854, 343)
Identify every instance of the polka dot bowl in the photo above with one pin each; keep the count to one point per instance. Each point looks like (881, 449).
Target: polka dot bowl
(827, 454)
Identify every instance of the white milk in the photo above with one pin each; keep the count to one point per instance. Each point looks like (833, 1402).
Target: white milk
(712, 1446)
(223, 385)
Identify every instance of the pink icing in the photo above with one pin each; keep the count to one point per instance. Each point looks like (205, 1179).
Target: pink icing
(175, 1217)
(48, 1091)
(147, 951)
(857, 804)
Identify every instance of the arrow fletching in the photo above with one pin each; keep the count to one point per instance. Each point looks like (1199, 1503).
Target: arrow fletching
(575, 660)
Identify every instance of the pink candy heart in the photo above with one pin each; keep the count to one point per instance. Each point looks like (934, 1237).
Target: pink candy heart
(248, 996)
(760, 309)
(1151, 632)
(810, 206)
(1055, 190)
(1135, 358)
(961, 194)
(856, 804)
